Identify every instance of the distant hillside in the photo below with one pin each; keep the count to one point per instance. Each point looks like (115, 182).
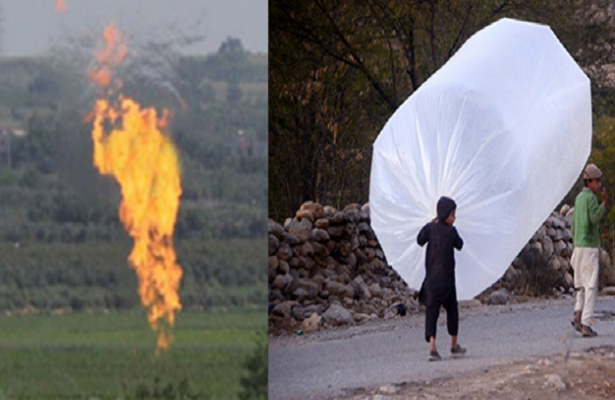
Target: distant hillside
(62, 240)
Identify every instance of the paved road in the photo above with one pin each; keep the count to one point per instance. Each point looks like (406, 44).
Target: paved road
(321, 369)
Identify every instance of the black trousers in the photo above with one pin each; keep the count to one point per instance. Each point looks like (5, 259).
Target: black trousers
(434, 299)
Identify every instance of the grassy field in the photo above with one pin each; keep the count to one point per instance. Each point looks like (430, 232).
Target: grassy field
(112, 356)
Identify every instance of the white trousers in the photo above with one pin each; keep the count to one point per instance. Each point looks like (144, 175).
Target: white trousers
(586, 263)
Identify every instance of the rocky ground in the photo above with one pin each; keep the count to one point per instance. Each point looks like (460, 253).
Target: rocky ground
(586, 375)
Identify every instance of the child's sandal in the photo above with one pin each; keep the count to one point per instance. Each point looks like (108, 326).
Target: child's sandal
(458, 351)
(588, 332)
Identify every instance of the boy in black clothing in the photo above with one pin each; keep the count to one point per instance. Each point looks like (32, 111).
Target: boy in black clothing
(438, 288)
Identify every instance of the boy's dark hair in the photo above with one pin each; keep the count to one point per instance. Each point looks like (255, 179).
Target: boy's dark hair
(445, 207)
(586, 181)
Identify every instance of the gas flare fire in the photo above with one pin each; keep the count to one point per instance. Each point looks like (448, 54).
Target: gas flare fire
(60, 6)
(129, 144)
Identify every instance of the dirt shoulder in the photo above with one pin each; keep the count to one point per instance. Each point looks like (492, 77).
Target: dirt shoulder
(585, 375)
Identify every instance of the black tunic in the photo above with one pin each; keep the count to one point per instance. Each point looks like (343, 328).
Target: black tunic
(441, 240)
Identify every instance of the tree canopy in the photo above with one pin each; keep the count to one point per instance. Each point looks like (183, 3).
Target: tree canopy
(339, 69)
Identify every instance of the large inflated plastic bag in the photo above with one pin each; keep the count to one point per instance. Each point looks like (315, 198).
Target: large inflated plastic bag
(504, 128)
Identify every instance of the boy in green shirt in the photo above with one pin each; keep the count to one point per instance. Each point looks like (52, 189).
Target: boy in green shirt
(586, 254)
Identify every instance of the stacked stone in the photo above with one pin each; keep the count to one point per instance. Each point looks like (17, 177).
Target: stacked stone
(553, 242)
(326, 266)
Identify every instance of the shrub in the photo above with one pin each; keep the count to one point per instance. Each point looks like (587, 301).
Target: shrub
(537, 277)
(255, 380)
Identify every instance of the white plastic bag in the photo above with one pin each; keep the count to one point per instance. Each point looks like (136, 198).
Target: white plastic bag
(504, 128)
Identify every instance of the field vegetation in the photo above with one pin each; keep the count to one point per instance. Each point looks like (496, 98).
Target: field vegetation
(109, 355)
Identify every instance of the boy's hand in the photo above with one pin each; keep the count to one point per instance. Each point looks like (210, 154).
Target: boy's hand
(605, 197)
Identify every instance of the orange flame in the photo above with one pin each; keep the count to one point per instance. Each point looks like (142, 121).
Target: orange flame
(111, 56)
(61, 6)
(145, 163)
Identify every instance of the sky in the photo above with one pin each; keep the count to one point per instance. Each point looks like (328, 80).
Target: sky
(32, 27)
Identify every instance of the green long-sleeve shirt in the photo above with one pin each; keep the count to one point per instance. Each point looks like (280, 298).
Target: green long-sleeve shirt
(586, 219)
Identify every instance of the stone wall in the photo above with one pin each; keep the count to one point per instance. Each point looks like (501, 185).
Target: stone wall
(328, 262)
(326, 267)
(550, 249)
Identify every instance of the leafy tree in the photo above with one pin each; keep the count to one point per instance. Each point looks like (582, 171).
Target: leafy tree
(229, 63)
(339, 69)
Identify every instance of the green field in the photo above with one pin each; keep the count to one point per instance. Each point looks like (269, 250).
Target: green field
(112, 355)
